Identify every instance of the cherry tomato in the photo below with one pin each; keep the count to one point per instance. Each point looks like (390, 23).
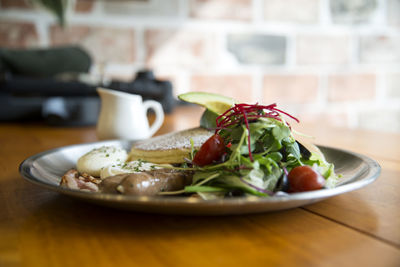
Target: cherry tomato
(304, 178)
(210, 151)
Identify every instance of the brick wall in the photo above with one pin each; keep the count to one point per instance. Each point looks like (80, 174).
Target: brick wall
(336, 61)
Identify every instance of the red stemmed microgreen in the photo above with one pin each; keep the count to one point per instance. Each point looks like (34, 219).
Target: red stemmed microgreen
(247, 113)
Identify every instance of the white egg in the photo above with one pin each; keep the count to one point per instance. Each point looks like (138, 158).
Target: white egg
(93, 161)
(128, 167)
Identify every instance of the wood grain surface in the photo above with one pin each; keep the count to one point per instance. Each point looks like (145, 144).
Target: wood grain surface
(42, 228)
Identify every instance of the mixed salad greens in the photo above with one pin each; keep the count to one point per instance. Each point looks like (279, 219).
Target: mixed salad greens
(254, 152)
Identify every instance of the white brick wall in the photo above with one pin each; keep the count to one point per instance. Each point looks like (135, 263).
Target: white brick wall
(331, 59)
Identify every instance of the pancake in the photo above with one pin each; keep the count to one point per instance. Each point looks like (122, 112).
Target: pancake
(169, 148)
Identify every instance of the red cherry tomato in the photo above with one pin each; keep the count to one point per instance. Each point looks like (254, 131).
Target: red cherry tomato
(304, 178)
(210, 151)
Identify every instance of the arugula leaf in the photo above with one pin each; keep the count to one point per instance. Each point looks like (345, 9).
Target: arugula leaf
(235, 183)
(208, 119)
(291, 147)
(203, 188)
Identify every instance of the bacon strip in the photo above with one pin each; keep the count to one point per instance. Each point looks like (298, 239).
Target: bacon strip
(73, 180)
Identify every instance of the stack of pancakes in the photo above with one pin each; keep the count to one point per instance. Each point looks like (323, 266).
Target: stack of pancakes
(169, 148)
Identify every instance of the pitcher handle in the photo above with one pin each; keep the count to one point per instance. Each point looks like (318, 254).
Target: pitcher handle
(151, 104)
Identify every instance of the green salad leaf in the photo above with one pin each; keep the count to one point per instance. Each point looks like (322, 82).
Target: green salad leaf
(260, 150)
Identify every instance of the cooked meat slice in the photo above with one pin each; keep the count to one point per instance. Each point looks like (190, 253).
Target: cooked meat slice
(73, 180)
(146, 183)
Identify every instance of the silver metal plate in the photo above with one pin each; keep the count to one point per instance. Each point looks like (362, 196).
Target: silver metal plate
(46, 169)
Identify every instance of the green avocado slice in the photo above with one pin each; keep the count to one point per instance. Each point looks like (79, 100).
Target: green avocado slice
(216, 103)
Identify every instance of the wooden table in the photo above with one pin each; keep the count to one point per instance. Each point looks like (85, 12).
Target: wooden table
(43, 228)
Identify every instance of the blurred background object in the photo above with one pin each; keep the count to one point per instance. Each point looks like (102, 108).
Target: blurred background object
(331, 61)
(55, 84)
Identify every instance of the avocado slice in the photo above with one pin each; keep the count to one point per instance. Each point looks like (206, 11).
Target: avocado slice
(216, 103)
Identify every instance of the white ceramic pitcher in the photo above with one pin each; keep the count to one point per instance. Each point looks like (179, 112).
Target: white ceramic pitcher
(123, 116)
